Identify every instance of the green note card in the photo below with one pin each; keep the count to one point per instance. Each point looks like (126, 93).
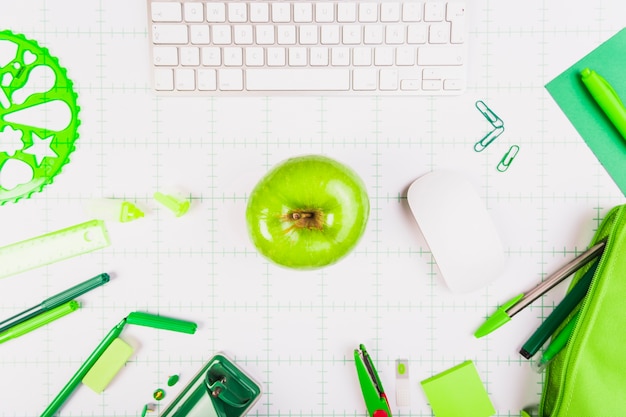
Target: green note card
(458, 392)
(609, 60)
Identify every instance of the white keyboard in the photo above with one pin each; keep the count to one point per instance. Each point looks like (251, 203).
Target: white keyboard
(267, 47)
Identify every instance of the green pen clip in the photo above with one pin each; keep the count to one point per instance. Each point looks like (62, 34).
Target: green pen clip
(497, 319)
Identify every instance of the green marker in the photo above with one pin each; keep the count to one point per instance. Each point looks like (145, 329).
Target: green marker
(607, 99)
(558, 343)
(559, 314)
(38, 321)
(142, 319)
(55, 301)
(504, 314)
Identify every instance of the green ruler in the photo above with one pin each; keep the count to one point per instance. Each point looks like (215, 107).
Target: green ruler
(51, 247)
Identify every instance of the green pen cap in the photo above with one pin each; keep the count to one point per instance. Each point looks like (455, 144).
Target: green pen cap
(160, 322)
(498, 319)
(178, 206)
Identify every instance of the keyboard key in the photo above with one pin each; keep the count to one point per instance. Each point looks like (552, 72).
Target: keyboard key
(364, 79)
(194, 12)
(319, 56)
(453, 84)
(368, 12)
(165, 55)
(254, 57)
(230, 79)
(308, 34)
(455, 11)
(190, 56)
(329, 35)
(264, 34)
(362, 56)
(297, 57)
(340, 56)
(237, 12)
(243, 34)
(439, 33)
(457, 32)
(199, 34)
(434, 11)
(207, 80)
(388, 79)
(351, 34)
(390, 12)
(395, 34)
(211, 56)
(302, 12)
(309, 79)
(409, 85)
(185, 79)
(166, 12)
(346, 12)
(417, 34)
(281, 12)
(431, 85)
(276, 57)
(215, 12)
(221, 34)
(169, 34)
(405, 55)
(383, 55)
(440, 55)
(324, 12)
(163, 79)
(286, 35)
(233, 56)
(412, 11)
(259, 12)
(373, 34)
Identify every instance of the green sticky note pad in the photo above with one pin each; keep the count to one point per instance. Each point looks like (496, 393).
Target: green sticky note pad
(458, 392)
(108, 365)
(569, 92)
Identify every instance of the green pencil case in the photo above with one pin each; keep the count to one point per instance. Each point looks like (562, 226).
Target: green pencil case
(588, 377)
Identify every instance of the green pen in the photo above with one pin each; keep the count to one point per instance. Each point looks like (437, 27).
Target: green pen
(505, 312)
(558, 343)
(559, 314)
(607, 99)
(55, 301)
(138, 318)
(38, 321)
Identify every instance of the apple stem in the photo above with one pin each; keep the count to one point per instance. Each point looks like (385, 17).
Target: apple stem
(305, 219)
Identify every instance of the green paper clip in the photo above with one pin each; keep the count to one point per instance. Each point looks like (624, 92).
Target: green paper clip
(508, 157)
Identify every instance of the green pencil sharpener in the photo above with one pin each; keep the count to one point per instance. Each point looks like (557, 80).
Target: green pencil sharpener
(219, 389)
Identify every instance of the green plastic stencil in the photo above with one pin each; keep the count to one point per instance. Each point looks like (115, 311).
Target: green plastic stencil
(56, 246)
(38, 117)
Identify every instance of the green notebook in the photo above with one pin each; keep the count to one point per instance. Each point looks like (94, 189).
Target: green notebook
(609, 60)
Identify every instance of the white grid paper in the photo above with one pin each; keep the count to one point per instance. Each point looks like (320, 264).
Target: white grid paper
(295, 331)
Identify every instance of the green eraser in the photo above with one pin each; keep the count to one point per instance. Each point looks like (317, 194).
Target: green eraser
(108, 365)
(458, 392)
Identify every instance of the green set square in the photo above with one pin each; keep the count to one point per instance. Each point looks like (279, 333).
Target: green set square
(458, 392)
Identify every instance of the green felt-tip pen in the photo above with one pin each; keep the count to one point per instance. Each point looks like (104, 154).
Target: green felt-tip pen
(38, 321)
(558, 342)
(606, 97)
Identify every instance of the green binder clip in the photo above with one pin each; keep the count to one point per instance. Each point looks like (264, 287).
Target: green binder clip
(219, 389)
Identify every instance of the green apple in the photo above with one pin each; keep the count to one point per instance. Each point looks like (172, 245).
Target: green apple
(307, 212)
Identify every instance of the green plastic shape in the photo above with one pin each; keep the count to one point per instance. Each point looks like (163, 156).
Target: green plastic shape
(583, 112)
(172, 380)
(38, 117)
(108, 365)
(177, 205)
(458, 392)
(113, 209)
(158, 394)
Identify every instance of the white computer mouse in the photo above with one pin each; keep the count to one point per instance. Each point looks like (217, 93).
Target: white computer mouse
(458, 230)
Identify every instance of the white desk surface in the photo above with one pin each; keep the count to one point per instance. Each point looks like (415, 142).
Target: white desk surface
(296, 331)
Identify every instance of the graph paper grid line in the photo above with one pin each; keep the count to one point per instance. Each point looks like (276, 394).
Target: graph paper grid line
(295, 331)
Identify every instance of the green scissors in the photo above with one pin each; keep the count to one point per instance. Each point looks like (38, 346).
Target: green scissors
(373, 393)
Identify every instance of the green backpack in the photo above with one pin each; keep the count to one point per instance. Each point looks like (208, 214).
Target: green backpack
(588, 377)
